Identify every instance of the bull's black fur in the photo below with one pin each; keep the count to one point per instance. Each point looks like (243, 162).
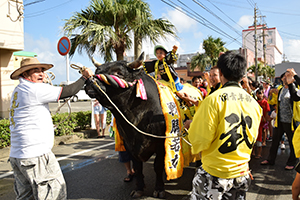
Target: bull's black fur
(146, 115)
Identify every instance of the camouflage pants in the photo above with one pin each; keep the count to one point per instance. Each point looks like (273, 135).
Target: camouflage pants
(38, 178)
(206, 186)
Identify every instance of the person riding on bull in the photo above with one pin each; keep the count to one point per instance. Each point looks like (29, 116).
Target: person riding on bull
(164, 66)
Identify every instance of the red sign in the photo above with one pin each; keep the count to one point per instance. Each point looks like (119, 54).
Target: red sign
(63, 46)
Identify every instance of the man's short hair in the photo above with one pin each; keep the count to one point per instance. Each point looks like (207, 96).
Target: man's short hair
(259, 90)
(194, 78)
(232, 65)
(255, 84)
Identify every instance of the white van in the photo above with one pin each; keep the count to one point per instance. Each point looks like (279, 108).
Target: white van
(81, 95)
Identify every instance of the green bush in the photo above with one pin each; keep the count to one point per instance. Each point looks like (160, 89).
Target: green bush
(4, 133)
(65, 125)
(83, 119)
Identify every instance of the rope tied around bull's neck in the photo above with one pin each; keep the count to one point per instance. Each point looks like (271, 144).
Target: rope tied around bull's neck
(140, 131)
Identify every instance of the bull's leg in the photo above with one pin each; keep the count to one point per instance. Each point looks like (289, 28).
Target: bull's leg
(159, 169)
(139, 177)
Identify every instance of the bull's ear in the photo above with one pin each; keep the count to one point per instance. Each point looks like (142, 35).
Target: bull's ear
(95, 62)
(135, 64)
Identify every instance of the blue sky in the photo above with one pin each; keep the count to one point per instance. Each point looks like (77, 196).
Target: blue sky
(43, 22)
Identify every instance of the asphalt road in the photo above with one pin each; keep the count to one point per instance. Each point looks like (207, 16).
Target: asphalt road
(92, 171)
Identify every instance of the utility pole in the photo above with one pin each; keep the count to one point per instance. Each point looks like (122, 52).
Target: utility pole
(255, 42)
(262, 21)
(264, 44)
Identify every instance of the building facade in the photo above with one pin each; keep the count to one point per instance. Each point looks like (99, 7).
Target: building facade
(11, 40)
(269, 45)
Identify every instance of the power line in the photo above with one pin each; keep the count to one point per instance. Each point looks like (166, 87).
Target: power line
(198, 17)
(208, 10)
(225, 14)
(34, 2)
(203, 20)
(233, 5)
(281, 13)
(41, 12)
(251, 3)
(289, 34)
(265, 11)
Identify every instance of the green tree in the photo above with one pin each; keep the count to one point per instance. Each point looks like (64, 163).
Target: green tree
(270, 71)
(213, 47)
(105, 26)
(262, 70)
(152, 29)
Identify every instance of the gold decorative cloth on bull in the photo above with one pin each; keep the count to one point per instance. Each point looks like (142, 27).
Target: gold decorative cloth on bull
(174, 160)
(119, 143)
(186, 113)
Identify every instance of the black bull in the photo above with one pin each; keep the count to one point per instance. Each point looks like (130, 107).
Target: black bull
(146, 115)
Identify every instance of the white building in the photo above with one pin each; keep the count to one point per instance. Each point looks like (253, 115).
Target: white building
(183, 59)
(265, 36)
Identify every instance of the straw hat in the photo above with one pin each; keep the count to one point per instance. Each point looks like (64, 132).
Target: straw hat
(27, 64)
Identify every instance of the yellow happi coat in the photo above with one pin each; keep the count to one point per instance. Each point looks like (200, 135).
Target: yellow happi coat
(224, 130)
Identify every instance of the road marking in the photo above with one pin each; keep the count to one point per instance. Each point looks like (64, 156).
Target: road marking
(84, 151)
(6, 174)
(65, 157)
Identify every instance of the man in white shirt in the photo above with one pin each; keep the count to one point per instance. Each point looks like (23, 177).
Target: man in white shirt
(36, 170)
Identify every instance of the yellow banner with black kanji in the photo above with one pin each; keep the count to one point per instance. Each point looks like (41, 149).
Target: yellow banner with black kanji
(174, 160)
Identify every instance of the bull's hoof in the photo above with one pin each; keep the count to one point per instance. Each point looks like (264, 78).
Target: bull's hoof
(136, 193)
(159, 194)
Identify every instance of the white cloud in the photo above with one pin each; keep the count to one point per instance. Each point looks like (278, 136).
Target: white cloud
(292, 50)
(148, 47)
(182, 22)
(201, 50)
(245, 21)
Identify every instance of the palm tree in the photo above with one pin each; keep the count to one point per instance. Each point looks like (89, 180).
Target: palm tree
(263, 70)
(213, 47)
(147, 27)
(152, 29)
(105, 27)
(270, 71)
(259, 69)
(200, 61)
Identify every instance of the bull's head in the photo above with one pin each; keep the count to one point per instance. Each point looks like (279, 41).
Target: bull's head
(114, 78)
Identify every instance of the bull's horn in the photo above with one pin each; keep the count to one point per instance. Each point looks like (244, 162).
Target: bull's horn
(135, 64)
(95, 62)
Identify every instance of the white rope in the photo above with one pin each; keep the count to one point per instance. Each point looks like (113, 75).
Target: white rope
(148, 134)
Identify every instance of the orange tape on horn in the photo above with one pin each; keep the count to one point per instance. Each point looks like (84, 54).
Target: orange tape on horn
(104, 79)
